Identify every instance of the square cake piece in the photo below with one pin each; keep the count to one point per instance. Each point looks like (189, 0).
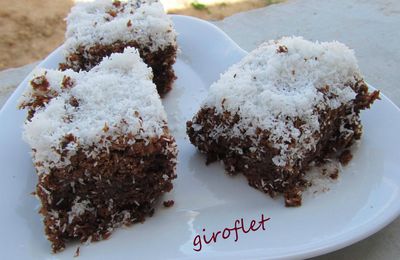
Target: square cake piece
(288, 103)
(100, 145)
(97, 29)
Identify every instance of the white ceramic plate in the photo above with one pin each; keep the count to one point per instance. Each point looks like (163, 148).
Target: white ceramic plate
(364, 200)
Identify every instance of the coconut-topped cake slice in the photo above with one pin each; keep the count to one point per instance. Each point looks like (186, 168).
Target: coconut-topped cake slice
(100, 145)
(98, 28)
(286, 104)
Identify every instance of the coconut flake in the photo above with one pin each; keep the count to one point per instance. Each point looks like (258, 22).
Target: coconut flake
(102, 22)
(118, 93)
(282, 81)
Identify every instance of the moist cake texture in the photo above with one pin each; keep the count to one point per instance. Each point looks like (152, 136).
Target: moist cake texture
(97, 29)
(100, 145)
(288, 103)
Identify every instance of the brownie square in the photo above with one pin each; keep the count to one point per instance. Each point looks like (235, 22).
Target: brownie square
(100, 146)
(97, 29)
(287, 104)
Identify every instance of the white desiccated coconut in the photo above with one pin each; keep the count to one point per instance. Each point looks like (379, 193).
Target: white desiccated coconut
(279, 82)
(79, 207)
(102, 22)
(116, 98)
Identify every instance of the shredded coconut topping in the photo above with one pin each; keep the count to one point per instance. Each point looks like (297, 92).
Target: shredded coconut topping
(116, 99)
(105, 22)
(284, 81)
(79, 207)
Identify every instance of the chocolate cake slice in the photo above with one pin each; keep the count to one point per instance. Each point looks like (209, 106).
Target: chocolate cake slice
(101, 27)
(288, 103)
(100, 145)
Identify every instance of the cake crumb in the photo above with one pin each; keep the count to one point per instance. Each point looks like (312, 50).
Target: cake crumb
(293, 198)
(168, 203)
(345, 157)
(77, 252)
(334, 174)
(282, 49)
